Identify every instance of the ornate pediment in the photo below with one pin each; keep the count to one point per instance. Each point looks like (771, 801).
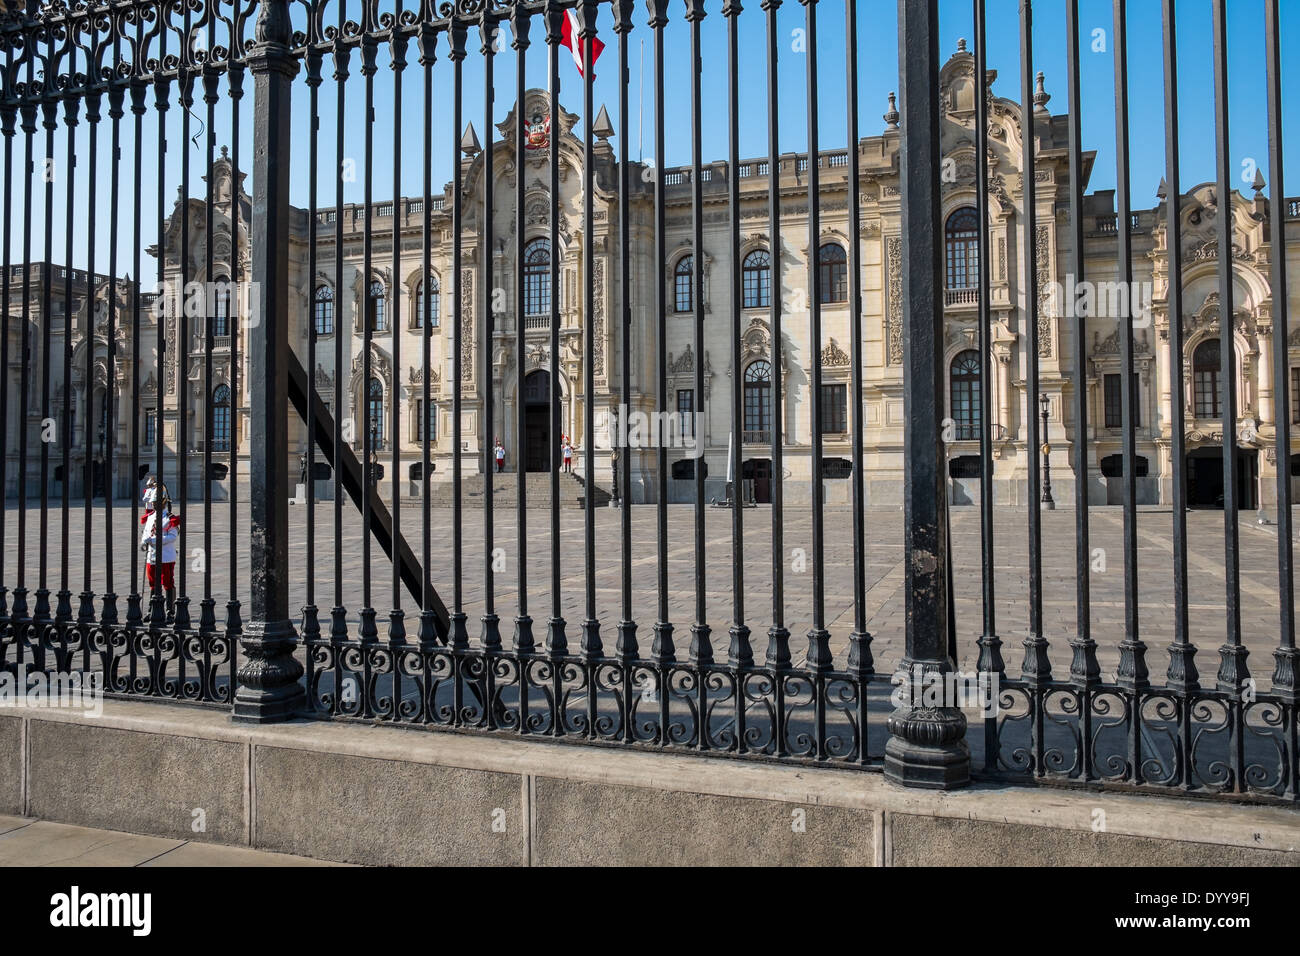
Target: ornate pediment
(833, 356)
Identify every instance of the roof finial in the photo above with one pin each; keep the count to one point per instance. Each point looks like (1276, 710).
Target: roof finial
(1041, 96)
(891, 116)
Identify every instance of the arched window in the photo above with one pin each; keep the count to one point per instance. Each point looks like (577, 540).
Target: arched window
(221, 307)
(962, 242)
(756, 280)
(833, 273)
(965, 385)
(375, 407)
(537, 277)
(433, 303)
(758, 399)
(683, 278)
(221, 418)
(375, 306)
(323, 310)
(1205, 379)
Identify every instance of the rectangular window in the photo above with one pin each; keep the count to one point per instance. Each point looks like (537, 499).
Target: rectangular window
(420, 420)
(1115, 402)
(150, 426)
(686, 410)
(834, 410)
(1295, 395)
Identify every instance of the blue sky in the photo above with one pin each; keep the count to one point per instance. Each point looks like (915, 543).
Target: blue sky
(878, 67)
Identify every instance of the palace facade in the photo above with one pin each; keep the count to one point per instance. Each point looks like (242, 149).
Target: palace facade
(768, 265)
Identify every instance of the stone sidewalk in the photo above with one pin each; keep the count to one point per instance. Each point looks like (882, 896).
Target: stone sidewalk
(29, 842)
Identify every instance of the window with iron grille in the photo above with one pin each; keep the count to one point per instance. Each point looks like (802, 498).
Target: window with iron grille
(758, 402)
(1295, 396)
(1205, 379)
(150, 426)
(963, 255)
(221, 308)
(221, 418)
(375, 306)
(686, 410)
(833, 273)
(683, 279)
(834, 409)
(434, 306)
(1115, 402)
(375, 404)
(537, 277)
(323, 310)
(756, 280)
(420, 420)
(964, 384)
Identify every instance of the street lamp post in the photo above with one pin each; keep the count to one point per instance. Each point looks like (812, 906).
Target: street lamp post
(1047, 464)
(614, 501)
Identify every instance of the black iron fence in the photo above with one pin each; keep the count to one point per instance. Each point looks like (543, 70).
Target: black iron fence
(146, 384)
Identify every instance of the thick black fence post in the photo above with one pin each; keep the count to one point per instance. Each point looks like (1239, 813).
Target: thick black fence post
(927, 745)
(269, 685)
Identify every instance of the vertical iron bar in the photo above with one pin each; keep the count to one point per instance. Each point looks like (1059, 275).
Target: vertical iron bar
(338, 613)
(116, 94)
(1232, 668)
(819, 654)
(310, 612)
(662, 651)
(556, 643)
(134, 598)
(368, 634)
(428, 630)
(185, 96)
(701, 651)
(590, 642)
(459, 636)
(520, 21)
(860, 662)
(1132, 671)
(490, 635)
(990, 645)
(778, 635)
(1286, 667)
(63, 612)
(927, 746)
(1085, 672)
(235, 84)
(626, 646)
(1233, 674)
(49, 112)
(1181, 677)
(397, 616)
(739, 653)
(163, 311)
(269, 688)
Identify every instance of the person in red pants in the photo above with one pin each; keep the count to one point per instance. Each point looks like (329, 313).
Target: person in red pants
(161, 573)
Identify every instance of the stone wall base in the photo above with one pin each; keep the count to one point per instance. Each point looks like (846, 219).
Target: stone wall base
(380, 795)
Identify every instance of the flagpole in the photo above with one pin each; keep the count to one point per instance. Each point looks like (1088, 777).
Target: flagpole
(640, 98)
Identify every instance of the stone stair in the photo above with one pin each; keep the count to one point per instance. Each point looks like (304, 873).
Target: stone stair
(573, 491)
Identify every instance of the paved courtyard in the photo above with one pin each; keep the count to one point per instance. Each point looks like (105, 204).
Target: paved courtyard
(884, 580)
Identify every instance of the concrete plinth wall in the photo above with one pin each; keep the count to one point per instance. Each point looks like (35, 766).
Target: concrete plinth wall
(380, 795)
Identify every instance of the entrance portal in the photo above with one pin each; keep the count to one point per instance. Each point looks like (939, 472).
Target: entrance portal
(1205, 478)
(537, 420)
(759, 470)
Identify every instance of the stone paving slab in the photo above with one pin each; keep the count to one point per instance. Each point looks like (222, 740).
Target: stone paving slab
(28, 842)
(883, 595)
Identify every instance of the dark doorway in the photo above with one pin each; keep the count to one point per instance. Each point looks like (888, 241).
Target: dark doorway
(537, 420)
(759, 470)
(1205, 478)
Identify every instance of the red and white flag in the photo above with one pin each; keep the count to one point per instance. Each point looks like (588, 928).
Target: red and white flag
(573, 41)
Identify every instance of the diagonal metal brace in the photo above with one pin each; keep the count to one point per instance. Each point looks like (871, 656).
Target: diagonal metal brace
(381, 521)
